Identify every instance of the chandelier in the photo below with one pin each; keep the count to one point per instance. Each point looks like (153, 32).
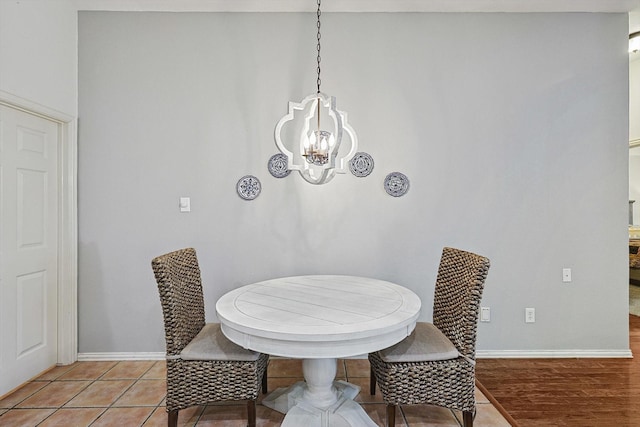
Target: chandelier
(314, 135)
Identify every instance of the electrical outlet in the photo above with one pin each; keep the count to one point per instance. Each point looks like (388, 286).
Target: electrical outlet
(485, 314)
(530, 315)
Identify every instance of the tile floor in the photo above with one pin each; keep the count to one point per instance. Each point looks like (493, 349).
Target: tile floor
(131, 393)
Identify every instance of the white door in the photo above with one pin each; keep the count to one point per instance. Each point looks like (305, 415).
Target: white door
(28, 246)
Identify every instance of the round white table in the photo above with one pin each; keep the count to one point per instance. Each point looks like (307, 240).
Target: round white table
(318, 319)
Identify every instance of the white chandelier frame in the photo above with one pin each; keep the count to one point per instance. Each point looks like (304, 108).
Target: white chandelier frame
(313, 173)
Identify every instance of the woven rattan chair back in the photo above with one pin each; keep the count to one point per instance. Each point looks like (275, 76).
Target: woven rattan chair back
(198, 382)
(178, 277)
(456, 301)
(447, 382)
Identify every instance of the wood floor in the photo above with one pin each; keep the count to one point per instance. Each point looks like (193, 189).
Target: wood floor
(568, 392)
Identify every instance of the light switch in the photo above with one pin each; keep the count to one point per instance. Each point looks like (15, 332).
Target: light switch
(185, 204)
(566, 275)
(485, 314)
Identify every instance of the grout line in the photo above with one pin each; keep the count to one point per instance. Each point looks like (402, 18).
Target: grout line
(458, 420)
(105, 409)
(159, 405)
(150, 415)
(453, 414)
(404, 416)
(14, 406)
(62, 407)
(107, 371)
(147, 371)
(68, 400)
(117, 397)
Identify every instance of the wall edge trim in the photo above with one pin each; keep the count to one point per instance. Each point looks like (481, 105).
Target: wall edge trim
(553, 354)
(480, 354)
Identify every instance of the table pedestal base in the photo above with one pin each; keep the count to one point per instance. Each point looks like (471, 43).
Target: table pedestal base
(319, 401)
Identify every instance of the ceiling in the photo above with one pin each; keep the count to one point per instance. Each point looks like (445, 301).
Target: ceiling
(517, 6)
(364, 5)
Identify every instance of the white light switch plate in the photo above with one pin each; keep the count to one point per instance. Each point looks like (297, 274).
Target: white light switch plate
(185, 204)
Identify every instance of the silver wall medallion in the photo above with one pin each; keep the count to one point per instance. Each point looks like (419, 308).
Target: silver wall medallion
(278, 165)
(248, 187)
(361, 165)
(396, 184)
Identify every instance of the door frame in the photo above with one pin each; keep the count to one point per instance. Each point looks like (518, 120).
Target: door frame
(67, 319)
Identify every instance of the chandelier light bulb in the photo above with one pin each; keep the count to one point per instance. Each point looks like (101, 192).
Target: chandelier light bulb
(317, 147)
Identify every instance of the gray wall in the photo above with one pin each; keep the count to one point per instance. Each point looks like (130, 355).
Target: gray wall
(38, 52)
(512, 128)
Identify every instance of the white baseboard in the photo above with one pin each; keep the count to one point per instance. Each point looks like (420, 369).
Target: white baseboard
(480, 354)
(84, 357)
(553, 354)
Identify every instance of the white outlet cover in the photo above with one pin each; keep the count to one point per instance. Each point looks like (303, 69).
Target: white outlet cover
(530, 315)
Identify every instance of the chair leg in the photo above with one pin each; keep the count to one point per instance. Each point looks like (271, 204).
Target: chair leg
(391, 415)
(172, 418)
(372, 383)
(251, 413)
(264, 382)
(467, 418)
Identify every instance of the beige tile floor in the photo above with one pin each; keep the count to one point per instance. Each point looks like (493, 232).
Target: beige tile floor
(131, 394)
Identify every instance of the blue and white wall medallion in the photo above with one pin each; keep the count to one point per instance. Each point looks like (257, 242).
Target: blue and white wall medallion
(361, 165)
(396, 184)
(248, 187)
(278, 166)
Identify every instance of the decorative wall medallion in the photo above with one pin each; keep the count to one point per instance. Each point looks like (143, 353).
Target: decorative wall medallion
(278, 165)
(396, 184)
(361, 165)
(248, 187)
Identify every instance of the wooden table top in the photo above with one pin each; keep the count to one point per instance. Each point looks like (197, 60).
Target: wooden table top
(318, 316)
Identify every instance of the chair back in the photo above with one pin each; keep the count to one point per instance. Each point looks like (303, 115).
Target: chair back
(456, 302)
(179, 283)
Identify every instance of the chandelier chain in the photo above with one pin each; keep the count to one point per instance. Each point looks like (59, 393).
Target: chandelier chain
(318, 81)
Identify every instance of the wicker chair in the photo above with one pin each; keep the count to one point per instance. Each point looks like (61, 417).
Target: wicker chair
(436, 364)
(202, 364)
